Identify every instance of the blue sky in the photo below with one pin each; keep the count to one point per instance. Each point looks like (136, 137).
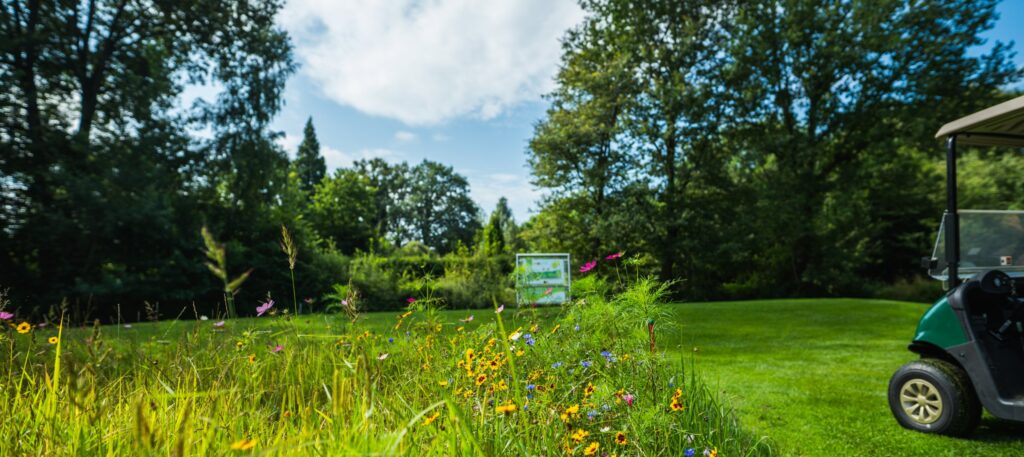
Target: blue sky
(454, 81)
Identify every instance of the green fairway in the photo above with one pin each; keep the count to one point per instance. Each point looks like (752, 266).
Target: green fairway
(812, 375)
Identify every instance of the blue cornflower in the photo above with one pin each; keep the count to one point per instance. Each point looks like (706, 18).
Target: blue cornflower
(586, 363)
(591, 414)
(608, 356)
(606, 407)
(530, 386)
(689, 452)
(556, 364)
(577, 326)
(391, 340)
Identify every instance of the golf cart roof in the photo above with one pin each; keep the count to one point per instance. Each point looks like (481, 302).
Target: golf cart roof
(1000, 125)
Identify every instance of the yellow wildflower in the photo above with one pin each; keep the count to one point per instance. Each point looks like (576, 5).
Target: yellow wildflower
(243, 444)
(580, 435)
(507, 408)
(24, 327)
(53, 340)
(591, 449)
(620, 439)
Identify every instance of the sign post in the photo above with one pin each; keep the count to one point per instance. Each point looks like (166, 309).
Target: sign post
(543, 279)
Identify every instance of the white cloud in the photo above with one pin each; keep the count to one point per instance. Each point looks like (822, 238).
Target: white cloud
(404, 136)
(487, 188)
(336, 158)
(424, 62)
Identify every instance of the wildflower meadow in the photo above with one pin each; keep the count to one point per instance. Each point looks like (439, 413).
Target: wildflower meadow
(586, 378)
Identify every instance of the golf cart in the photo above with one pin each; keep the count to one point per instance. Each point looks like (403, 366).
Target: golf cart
(971, 341)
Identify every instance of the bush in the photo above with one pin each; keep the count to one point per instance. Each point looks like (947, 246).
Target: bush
(919, 289)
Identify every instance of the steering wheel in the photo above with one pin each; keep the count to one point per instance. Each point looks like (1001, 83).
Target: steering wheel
(995, 282)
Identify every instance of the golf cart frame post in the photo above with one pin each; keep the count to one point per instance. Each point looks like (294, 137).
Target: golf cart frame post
(952, 219)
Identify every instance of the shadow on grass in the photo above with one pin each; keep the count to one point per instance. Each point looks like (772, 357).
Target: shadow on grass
(994, 430)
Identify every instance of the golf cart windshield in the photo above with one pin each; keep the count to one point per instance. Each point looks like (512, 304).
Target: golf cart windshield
(988, 239)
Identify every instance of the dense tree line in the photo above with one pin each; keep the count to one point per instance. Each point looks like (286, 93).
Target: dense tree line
(106, 180)
(757, 148)
(769, 147)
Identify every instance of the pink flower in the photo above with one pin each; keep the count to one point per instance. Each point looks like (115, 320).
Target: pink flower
(629, 399)
(410, 300)
(614, 256)
(500, 309)
(548, 291)
(468, 319)
(277, 348)
(263, 308)
(588, 266)
(218, 324)
(4, 315)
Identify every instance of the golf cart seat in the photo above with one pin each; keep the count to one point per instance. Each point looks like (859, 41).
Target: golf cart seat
(993, 316)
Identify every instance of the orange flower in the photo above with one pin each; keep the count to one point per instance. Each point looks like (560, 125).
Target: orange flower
(431, 418)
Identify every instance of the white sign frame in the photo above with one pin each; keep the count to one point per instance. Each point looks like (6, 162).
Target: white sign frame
(557, 298)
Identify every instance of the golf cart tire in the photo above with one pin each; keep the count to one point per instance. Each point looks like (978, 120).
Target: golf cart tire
(961, 410)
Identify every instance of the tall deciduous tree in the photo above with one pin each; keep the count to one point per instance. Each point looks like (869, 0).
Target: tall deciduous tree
(437, 209)
(308, 162)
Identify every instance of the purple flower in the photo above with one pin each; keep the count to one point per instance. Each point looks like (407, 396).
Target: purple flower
(263, 308)
(218, 324)
(277, 348)
(4, 315)
(586, 363)
(628, 398)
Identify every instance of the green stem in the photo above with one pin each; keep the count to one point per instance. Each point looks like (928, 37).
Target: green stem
(295, 301)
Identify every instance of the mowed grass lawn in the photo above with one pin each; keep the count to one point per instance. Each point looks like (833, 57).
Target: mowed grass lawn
(812, 375)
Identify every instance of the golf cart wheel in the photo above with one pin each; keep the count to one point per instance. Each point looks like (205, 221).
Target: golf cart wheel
(934, 396)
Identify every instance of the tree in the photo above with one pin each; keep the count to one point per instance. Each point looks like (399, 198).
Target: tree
(437, 209)
(342, 210)
(93, 145)
(832, 97)
(308, 162)
(390, 182)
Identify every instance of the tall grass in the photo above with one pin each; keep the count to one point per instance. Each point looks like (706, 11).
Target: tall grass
(385, 385)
